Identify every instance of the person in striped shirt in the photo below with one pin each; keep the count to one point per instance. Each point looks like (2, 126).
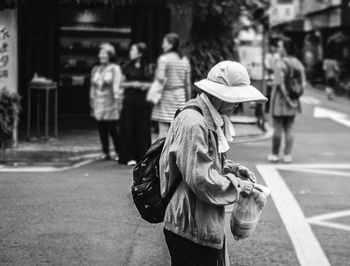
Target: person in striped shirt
(174, 71)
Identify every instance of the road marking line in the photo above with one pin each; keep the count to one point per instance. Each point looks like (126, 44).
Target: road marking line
(307, 247)
(42, 169)
(320, 112)
(342, 121)
(318, 166)
(332, 225)
(329, 216)
(309, 100)
(325, 172)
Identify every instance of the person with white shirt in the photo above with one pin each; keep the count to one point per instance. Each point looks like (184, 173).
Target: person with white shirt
(106, 98)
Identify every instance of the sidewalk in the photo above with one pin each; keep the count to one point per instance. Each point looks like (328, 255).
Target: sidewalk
(77, 144)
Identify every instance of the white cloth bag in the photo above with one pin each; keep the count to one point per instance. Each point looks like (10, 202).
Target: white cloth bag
(155, 92)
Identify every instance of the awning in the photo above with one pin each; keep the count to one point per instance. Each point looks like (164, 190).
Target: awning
(328, 18)
(296, 25)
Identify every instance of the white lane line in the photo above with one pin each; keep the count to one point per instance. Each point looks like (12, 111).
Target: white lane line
(307, 247)
(309, 100)
(329, 216)
(325, 172)
(332, 225)
(317, 166)
(28, 169)
(42, 169)
(320, 112)
(343, 121)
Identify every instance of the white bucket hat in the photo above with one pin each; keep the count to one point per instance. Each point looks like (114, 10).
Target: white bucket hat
(229, 81)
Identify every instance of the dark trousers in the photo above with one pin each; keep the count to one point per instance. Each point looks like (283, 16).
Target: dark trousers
(108, 128)
(184, 252)
(135, 132)
(282, 124)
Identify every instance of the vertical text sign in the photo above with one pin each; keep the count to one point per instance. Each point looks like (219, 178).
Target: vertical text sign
(8, 50)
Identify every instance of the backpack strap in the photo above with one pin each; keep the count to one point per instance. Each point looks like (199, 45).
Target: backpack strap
(193, 107)
(288, 66)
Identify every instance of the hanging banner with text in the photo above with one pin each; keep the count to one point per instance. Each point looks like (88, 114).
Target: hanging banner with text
(8, 50)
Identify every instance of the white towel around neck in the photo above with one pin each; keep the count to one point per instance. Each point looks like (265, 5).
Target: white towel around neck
(221, 121)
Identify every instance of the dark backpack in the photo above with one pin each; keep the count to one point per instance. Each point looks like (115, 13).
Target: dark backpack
(146, 187)
(293, 81)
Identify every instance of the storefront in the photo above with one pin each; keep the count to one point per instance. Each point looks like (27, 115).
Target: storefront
(320, 26)
(59, 41)
(319, 22)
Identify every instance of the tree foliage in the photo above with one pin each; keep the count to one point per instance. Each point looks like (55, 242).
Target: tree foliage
(211, 35)
(212, 38)
(9, 108)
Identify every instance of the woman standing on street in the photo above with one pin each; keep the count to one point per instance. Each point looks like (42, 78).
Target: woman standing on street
(106, 98)
(173, 70)
(135, 128)
(284, 107)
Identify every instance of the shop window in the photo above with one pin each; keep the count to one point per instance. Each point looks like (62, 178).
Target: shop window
(81, 33)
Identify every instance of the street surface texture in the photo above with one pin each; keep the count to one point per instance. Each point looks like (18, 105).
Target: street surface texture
(85, 215)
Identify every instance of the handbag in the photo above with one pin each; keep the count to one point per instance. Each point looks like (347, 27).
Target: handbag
(155, 92)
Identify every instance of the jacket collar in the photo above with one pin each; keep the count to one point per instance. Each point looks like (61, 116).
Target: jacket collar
(206, 113)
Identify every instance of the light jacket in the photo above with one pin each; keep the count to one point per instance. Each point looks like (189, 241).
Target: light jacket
(106, 95)
(197, 208)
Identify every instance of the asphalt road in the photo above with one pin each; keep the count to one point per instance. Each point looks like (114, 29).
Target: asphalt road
(85, 216)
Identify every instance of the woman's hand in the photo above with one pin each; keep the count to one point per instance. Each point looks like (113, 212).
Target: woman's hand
(291, 103)
(230, 167)
(239, 171)
(246, 174)
(146, 86)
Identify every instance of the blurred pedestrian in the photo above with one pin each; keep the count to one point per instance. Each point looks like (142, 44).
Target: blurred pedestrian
(135, 128)
(173, 70)
(194, 152)
(106, 98)
(331, 71)
(271, 58)
(284, 107)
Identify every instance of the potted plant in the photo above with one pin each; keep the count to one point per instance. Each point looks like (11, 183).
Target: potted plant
(9, 109)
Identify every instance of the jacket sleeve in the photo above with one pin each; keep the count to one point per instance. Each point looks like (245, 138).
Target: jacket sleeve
(188, 82)
(92, 86)
(194, 161)
(161, 67)
(117, 79)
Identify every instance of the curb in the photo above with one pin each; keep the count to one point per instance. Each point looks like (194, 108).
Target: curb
(52, 157)
(253, 138)
(23, 168)
(59, 156)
